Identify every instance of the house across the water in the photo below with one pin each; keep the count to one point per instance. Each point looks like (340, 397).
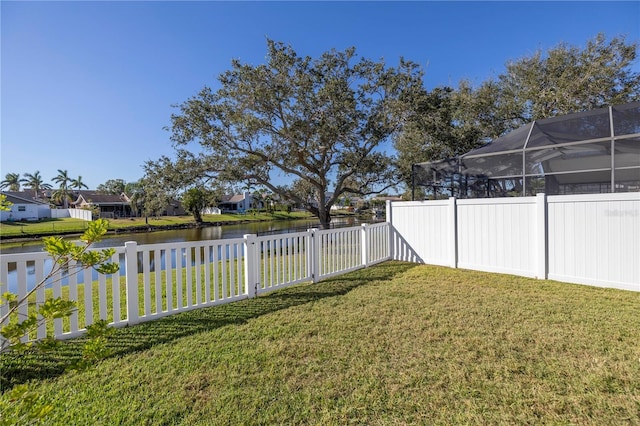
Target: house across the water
(106, 206)
(237, 203)
(26, 205)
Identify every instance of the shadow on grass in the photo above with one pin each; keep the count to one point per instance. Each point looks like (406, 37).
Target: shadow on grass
(19, 368)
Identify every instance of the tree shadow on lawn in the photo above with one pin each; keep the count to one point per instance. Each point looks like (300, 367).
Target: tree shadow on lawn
(18, 368)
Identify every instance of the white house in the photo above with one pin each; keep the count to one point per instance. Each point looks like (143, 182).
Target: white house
(24, 207)
(237, 203)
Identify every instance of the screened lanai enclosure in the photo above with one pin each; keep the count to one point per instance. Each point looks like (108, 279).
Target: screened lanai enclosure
(588, 152)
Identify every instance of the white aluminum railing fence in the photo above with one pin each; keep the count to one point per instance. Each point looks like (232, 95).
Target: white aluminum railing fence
(157, 280)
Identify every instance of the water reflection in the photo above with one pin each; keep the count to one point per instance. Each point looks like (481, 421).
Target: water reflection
(195, 234)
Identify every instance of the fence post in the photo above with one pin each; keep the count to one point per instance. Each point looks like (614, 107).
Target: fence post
(314, 255)
(364, 241)
(131, 277)
(541, 236)
(453, 232)
(251, 265)
(389, 220)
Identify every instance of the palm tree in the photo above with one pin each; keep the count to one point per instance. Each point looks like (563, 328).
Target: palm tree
(62, 193)
(11, 181)
(35, 182)
(78, 184)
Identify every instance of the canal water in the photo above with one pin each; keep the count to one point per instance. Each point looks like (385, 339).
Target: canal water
(197, 234)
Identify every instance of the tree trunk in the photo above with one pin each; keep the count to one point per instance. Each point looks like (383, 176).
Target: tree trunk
(197, 217)
(325, 217)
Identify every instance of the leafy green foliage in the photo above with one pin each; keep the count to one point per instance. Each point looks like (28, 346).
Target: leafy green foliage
(11, 181)
(320, 122)
(21, 405)
(4, 204)
(568, 79)
(78, 183)
(66, 256)
(63, 194)
(112, 186)
(49, 310)
(137, 196)
(64, 251)
(437, 129)
(35, 182)
(194, 200)
(95, 348)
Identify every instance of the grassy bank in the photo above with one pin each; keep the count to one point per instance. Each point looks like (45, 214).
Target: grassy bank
(9, 230)
(393, 344)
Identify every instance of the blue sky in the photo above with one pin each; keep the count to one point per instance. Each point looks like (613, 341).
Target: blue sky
(89, 86)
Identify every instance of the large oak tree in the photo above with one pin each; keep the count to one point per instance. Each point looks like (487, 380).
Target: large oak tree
(320, 124)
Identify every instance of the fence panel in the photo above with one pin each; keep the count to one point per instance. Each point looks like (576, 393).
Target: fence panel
(595, 240)
(178, 277)
(339, 251)
(21, 273)
(377, 243)
(497, 235)
(282, 260)
(421, 231)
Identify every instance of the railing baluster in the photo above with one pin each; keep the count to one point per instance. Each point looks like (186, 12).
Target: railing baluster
(168, 277)
(102, 290)
(216, 280)
(40, 296)
(189, 280)
(88, 297)
(207, 273)
(157, 267)
(146, 282)
(179, 281)
(198, 264)
(115, 292)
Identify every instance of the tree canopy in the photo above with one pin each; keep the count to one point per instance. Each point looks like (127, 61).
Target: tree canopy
(11, 181)
(320, 124)
(112, 186)
(194, 200)
(565, 79)
(63, 193)
(568, 79)
(35, 182)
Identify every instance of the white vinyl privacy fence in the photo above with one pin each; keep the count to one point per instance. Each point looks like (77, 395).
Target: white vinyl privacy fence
(588, 239)
(163, 279)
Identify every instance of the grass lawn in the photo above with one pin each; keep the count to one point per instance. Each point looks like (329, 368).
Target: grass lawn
(393, 344)
(66, 225)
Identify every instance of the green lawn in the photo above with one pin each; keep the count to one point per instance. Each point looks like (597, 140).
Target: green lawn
(393, 344)
(66, 225)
